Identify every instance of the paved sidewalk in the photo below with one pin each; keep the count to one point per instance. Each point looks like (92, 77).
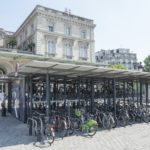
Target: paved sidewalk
(14, 136)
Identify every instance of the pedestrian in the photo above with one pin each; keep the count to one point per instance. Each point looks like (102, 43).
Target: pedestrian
(3, 105)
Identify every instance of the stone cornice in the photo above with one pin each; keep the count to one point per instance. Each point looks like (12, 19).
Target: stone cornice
(70, 19)
(66, 19)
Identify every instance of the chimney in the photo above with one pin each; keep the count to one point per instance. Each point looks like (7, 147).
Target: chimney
(69, 12)
(66, 11)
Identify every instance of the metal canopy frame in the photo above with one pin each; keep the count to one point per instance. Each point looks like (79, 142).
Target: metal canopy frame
(73, 70)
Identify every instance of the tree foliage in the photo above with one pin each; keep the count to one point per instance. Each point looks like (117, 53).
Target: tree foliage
(147, 64)
(118, 66)
(31, 46)
(12, 43)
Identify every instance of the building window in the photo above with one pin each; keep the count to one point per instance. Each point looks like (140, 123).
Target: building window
(51, 27)
(26, 33)
(51, 47)
(117, 51)
(83, 52)
(1, 72)
(20, 37)
(32, 28)
(68, 30)
(97, 59)
(68, 50)
(83, 34)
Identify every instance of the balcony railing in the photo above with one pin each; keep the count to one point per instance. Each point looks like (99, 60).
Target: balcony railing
(68, 56)
(83, 58)
(17, 51)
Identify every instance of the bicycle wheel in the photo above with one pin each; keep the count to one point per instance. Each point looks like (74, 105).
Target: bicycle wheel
(116, 122)
(63, 129)
(70, 129)
(38, 136)
(105, 123)
(76, 124)
(131, 119)
(121, 121)
(50, 135)
(99, 121)
(145, 118)
(92, 131)
(62, 132)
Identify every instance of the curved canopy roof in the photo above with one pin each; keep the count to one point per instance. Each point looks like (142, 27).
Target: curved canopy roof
(73, 70)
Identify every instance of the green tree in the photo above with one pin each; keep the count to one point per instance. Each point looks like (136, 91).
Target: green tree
(31, 46)
(147, 64)
(12, 43)
(118, 66)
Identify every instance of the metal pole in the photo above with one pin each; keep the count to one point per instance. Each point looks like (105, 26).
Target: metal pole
(124, 93)
(133, 91)
(30, 102)
(65, 94)
(26, 95)
(78, 88)
(105, 92)
(48, 95)
(92, 95)
(108, 93)
(141, 98)
(9, 97)
(146, 95)
(137, 94)
(114, 96)
(54, 91)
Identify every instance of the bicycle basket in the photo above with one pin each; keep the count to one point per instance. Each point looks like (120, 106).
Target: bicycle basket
(77, 113)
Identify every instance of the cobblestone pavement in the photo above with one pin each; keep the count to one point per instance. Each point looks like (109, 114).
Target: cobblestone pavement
(14, 136)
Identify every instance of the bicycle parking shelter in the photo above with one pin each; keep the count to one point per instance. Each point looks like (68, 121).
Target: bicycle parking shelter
(102, 84)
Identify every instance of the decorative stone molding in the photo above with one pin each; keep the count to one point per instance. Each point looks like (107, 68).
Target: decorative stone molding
(65, 19)
(65, 40)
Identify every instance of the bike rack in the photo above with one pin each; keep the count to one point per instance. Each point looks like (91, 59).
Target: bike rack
(34, 122)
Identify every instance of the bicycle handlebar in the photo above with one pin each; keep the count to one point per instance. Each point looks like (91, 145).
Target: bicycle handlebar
(40, 114)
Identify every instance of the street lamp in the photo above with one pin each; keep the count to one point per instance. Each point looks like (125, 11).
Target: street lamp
(140, 67)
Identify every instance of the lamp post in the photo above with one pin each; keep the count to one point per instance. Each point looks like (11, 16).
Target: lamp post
(140, 67)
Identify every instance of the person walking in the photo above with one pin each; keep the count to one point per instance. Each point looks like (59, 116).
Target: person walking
(3, 105)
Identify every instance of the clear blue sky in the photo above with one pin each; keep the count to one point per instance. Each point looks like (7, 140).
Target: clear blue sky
(119, 23)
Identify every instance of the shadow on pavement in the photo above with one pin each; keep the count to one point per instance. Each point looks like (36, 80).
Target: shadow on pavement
(13, 132)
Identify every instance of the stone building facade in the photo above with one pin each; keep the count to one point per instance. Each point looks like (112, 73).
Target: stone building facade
(117, 56)
(46, 34)
(5, 37)
(57, 34)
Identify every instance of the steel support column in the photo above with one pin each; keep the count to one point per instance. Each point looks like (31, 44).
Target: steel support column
(124, 92)
(27, 109)
(92, 96)
(55, 90)
(65, 94)
(141, 97)
(9, 97)
(105, 92)
(48, 95)
(137, 93)
(30, 102)
(133, 91)
(78, 90)
(146, 95)
(114, 96)
(108, 93)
